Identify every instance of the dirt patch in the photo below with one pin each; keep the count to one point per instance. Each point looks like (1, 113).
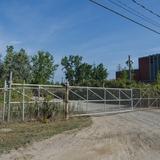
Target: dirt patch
(129, 136)
(105, 149)
(16, 135)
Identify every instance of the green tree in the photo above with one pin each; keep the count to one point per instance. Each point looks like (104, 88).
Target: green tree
(156, 85)
(83, 73)
(8, 62)
(1, 67)
(124, 75)
(43, 67)
(18, 63)
(22, 66)
(80, 73)
(99, 73)
(158, 78)
(1, 71)
(71, 66)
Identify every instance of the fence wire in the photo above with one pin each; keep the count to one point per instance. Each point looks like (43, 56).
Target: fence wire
(30, 101)
(94, 100)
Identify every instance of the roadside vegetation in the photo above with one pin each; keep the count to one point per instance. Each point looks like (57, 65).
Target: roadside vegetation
(40, 69)
(15, 135)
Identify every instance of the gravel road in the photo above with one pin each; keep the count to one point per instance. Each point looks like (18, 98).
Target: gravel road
(127, 136)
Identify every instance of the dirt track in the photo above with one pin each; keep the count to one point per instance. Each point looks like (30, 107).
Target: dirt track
(128, 136)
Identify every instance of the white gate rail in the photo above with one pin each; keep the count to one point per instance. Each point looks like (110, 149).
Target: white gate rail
(77, 100)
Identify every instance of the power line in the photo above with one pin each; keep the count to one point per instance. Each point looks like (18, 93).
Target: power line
(111, 10)
(147, 9)
(135, 12)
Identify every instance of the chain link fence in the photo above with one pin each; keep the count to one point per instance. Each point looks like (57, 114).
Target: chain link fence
(96, 100)
(26, 102)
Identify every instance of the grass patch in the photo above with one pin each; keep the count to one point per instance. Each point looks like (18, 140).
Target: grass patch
(13, 136)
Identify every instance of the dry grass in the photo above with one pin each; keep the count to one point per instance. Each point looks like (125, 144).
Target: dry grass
(13, 136)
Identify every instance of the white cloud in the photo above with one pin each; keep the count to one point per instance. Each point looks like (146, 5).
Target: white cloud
(14, 42)
(155, 50)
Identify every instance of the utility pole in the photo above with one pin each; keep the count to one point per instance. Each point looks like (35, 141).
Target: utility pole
(129, 64)
(119, 68)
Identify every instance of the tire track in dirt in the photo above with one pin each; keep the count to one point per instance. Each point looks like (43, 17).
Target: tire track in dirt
(128, 136)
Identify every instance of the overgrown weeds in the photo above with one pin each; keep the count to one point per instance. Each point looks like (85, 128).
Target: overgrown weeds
(15, 135)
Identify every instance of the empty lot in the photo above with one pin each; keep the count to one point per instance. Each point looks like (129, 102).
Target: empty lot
(128, 136)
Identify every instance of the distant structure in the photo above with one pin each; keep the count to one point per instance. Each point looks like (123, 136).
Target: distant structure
(149, 66)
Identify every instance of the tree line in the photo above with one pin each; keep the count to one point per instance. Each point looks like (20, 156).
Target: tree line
(78, 72)
(40, 68)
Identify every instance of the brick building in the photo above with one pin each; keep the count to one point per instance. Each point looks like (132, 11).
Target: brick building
(149, 66)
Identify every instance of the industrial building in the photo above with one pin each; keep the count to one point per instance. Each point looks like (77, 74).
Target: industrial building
(148, 68)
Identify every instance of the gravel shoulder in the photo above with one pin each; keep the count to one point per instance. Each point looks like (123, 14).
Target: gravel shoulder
(128, 136)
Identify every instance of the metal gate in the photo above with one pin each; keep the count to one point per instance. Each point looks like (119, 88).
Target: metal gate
(97, 100)
(23, 101)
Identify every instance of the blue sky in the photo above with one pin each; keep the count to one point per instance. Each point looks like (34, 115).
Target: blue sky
(65, 27)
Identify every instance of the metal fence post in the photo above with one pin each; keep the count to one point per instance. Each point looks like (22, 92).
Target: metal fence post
(132, 99)
(87, 101)
(140, 97)
(23, 105)
(119, 96)
(9, 97)
(4, 100)
(148, 96)
(104, 99)
(38, 104)
(66, 101)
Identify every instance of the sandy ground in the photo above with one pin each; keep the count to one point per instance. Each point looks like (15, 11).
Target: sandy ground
(128, 136)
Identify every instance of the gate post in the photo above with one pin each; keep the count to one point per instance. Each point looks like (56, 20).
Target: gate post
(66, 101)
(38, 104)
(104, 99)
(119, 98)
(87, 101)
(4, 100)
(9, 97)
(23, 105)
(132, 98)
(148, 102)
